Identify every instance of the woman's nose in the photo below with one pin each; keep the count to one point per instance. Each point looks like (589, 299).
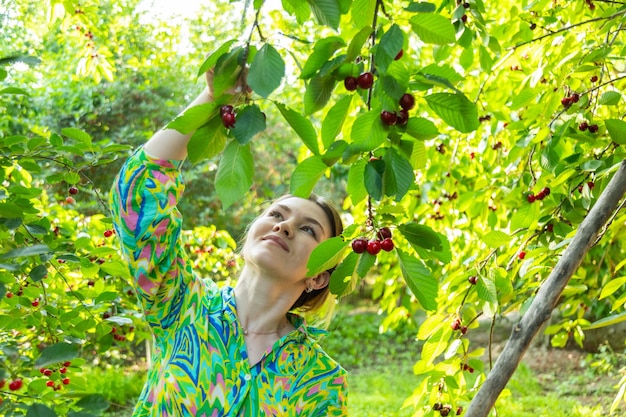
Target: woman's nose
(283, 227)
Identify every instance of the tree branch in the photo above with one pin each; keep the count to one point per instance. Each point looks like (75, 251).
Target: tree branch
(548, 295)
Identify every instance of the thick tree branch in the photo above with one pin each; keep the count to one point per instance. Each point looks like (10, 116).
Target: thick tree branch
(548, 295)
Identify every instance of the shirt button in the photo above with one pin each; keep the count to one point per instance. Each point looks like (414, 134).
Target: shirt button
(247, 377)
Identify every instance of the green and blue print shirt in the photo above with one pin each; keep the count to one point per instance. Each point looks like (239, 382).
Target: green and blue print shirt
(200, 364)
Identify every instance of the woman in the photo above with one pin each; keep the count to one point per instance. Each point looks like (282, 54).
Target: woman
(232, 351)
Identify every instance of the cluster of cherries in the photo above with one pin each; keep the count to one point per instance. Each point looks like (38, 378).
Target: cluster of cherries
(445, 409)
(383, 241)
(363, 81)
(72, 191)
(592, 128)
(569, 100)
(227, 113)
(390, 118)
(62, 370)
(539, 196)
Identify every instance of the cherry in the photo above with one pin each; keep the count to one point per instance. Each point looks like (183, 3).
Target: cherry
(593, 128)
(403, 117)
(399, 55)
(108, 233)
(437, 406)
(387, 244)
(70, 200)
(365, 80)
(594, 78)
(359, 245)
(351, 83)
(225, 109)
(566, 102)
(388, 118)
(583, 126)
(521, 255)
(463, 329)
(47, 372)
(373, 247)
(383, 233)
(459, 411)
(575, 97)
(16, 384)
(590, 184)
(533, 26)
(73, 190)
(550, 227)
(456, 324)
(66, 381)
(35, 302)
(63, 370)
(407, 101)
(444, 411)
(50, 383)
(466, 5)
(9, 294)
(473, 279)
(531, 198)
(464, 19)
(228, 119)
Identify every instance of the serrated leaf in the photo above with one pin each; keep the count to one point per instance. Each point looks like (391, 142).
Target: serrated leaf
(456, 110)
(59, 352)
(365, 263)
(390, 45)
(398, 172)
(495, 238)
(318, 92)
(357, 42)
(250, 122)
(207, 141)
(617, 130)
(193, 118)
(266, 71)
(322, 52)
(234, 173)
(420, 280)
(525, 216)
(422, 236)
(421, 7)
(334, 119)
(333, 154)
(373, 178)
(38, 273)
(356, 185)
(342, 277)
(306, 176)
(609, 98)
(433, 28)
(486, 289)
(40, 410)
(298, 8)
(302, 126)
(326, 255)
(367, 131)
(326, 12)
(362, 12)
(211, 60)
(93, 402)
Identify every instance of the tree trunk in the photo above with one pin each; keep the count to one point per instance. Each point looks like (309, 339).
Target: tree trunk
(548, 295)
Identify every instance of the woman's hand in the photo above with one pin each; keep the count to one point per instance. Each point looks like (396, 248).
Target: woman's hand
(240, 91)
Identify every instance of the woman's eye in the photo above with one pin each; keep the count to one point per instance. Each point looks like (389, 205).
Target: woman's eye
(309, 230)
(276, 214)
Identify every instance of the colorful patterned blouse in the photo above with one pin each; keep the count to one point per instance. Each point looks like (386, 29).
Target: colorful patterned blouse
(200, 361)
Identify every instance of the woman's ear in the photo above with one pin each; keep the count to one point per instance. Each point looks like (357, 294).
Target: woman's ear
(320, 281)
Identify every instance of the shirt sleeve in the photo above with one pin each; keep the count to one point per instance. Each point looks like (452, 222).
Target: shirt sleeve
(143, 203)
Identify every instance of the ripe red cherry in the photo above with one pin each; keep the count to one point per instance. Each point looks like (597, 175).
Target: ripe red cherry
(388, 118)
(456, 324)
(50, 383)
(225, 109)
(583, 126)
(16, 384)
(383, 233)
(473, 279)
(594, 78)
(70, 200)
(387, 244)
(108, 233)
(228, 119)
(73, 190)
(575, 97)
(373, 247)
(521, 255)
(403, 117)
(531, 198)
(545, 191)
(66, 381)
(351, 83)
(566, 101)
(593, 128)
(9, 294)
(399, 55)
(365, 80)
(35, 303)
(63, 370)
(359, 245)
(47, 372)
(463, 329)
(407, 101)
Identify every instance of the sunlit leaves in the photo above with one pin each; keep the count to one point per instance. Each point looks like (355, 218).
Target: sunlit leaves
(433, 28)
(318, 92)
(234, 173)
(250, 122)
(456, 110)
(59, 352)
(617, 130)
(306, 176)
(420, 280)
(207, 141)
(322, 52)
(326, 255)
(327, 12)
(301, 125)
(266, 71)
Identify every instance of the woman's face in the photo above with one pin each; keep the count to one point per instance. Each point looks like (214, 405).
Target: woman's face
(283, 237)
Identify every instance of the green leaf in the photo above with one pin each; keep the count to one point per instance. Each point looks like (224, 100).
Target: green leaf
(421, 128)
(40, 410)
(334, 119)
(456, 110)
(617, 130)
(365, 263)
(356, 44)
(250, 121)
(59, 352)
(266, 71)
(356, 185)
(612, 286)
(363, 12)
(368, 132)
(303, 127)
(318, 92)
(306, 176)
(390, 45)
(13, 90)
(193, 118)
(421, 7)
(26, 251)
(38, 273)
(342, 277)
(211, 60)
(486, 289)
(77, 134)
(334, 153)
(234, 173)
(525, 217)
(420, 280)
(495, 238)
(326, 12)
(322, 52)
(607, 321)
(398, 176)
(421, 236)
(326, 255)
(297, 8)
(609, 98)
(373, 177)
(93, 402)
(207, 141)
(433, 28)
